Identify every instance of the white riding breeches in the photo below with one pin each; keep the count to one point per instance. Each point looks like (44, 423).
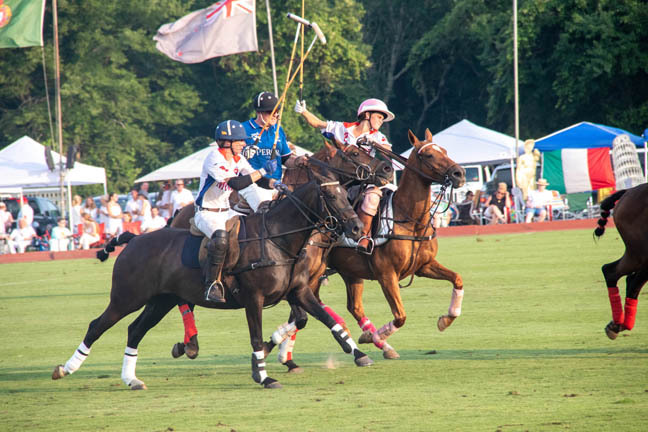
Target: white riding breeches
(265, 194)
(252, 195)
(208, 221)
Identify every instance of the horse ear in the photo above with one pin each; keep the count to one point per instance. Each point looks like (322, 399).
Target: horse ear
(428, 135)
(412, 138)
(330, 149)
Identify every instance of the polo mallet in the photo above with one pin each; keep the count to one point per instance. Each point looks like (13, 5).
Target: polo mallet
(301, 73)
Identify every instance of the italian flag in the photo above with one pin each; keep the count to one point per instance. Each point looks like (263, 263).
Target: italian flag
(578, 170)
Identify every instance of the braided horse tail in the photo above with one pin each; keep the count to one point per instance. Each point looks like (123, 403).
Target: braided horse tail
(123, 238)
(606, 205)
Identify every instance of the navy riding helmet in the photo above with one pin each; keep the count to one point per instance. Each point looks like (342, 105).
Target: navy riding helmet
(231, 130)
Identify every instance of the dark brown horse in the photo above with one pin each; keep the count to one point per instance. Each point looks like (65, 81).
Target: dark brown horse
(631, 220)
(266, 272)
(410, 250)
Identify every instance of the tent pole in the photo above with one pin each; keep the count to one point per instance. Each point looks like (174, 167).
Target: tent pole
(515, 84)
(272, 55)
(59, 125)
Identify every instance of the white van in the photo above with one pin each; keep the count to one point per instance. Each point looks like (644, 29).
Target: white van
(476, 177)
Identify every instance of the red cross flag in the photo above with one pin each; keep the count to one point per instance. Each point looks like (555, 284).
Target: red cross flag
(224, 28)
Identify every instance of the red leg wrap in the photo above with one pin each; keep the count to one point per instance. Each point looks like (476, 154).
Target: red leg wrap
(338, 319)
(615, 302)
(630, 312)
(188, 321)
(367, 325)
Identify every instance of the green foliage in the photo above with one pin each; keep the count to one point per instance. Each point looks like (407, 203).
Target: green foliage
(527, 353)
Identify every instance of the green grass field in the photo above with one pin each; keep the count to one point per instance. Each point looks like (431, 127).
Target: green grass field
(528, 353)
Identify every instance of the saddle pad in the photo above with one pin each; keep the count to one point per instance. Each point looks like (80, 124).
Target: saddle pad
(386, 227)
(191, 251)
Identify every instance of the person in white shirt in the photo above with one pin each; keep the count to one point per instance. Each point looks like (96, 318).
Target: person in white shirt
(144, 189)
(21, 237)
(538, 201)
(6, 219)
(90, 234)
(155, 223)
(145, 210)
(224, 170)
(133, 206)
(60, 237)
(164, 203)
(26, 212)
(363, 133)
(180, 197)
(77, 201)
(89, 207)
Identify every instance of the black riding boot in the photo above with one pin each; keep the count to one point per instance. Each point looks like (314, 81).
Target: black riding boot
(216, 250)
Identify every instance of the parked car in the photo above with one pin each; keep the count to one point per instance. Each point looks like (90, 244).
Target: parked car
(46, 213)
(501, 173)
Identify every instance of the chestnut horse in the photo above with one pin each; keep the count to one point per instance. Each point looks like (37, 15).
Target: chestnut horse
(267, 270)
(631, 220)
(410, 250)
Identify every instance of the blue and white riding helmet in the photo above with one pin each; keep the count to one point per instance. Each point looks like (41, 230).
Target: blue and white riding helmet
(230, 130)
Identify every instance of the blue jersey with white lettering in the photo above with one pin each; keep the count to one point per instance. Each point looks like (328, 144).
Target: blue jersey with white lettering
(265, 146)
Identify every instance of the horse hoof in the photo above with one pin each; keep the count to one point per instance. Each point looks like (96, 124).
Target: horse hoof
(137, 385)
(391, 354)
(363, 361)
(178, 350)
(366, 337)
(292, 367)
(444, 322)
(613, 329)
(191, 347)
(270, 383)
(59, 372)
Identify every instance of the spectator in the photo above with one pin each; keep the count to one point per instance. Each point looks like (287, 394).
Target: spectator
(180, 197)
(61, 234)
(538, 201)
(465, 210)
(76, 211)
(496, 205)
(133, 206)
(114, 227)
(6, 219)
(90, 208)
(21, 237)
(103, 211)
(145, 210)
(442, 214)
(90, 232)
(164, 202)
(144, 189)
(127, 218)
(26, 212)
(155, 223)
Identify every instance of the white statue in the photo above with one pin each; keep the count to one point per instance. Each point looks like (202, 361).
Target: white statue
(526, 168)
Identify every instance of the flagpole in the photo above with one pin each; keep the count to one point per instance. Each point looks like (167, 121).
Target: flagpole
(59, 126)
(515, 84)
(272, 56)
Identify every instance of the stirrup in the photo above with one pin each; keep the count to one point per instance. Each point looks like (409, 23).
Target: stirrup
(370, 247)
(216, 292)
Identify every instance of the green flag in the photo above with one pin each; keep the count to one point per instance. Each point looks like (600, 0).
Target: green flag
(21, 23)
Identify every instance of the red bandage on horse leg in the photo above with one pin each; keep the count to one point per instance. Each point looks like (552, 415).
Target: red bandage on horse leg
(630, 312)
(188, 321)
(615, 302)
(338, 319)
(367, 325)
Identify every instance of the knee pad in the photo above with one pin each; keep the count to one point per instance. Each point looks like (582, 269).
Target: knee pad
(371, 201)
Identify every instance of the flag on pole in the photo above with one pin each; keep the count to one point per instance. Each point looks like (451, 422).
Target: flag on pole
(578, 170)
(224, 28)
(21, 23)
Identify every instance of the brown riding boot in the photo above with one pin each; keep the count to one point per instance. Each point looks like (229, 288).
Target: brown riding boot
(216, 251)
(365, 244)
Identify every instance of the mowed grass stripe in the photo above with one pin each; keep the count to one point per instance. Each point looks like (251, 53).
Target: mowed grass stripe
(528, 353)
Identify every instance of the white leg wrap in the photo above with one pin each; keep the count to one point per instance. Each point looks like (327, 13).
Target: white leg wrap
(128, 367)
(338, 328)
(77, 359)
(284, 331)
(262, 372)
(286, 349)
(385, 331)
(455, 304)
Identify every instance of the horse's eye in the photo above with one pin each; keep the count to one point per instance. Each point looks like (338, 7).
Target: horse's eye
(356, 154)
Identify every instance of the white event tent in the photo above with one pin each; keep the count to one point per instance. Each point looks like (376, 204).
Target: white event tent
(191, 166)
(22, 164)
(468, 143)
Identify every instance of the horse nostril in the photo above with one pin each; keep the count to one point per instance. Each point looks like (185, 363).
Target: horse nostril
(387, 169)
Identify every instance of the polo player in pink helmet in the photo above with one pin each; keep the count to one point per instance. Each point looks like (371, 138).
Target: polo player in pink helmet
(363, 133)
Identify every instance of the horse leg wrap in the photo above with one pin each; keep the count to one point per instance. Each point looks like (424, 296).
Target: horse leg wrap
(343, 338)
(283, 332)
(630, 312)
(79, 356)
(367, 326)
(455, 303)
(286, 349)
(259, 373)
(189, 322)
(383, 333)
(338, 319)
(615, 302)
(128, 366)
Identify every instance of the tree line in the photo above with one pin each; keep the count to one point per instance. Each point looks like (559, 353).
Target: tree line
(131, 109)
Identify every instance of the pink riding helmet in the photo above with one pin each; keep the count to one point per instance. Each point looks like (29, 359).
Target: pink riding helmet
(376, 105)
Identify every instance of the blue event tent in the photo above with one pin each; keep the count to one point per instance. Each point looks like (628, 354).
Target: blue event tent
(584, 135)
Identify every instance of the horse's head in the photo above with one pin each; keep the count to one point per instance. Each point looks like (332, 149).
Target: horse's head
(336, 209)
(433, 162)
(357, 164)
